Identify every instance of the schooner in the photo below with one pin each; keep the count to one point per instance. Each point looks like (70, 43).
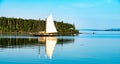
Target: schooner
(50, 28)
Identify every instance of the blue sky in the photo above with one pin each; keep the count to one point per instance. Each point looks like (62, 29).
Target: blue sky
(96, 14)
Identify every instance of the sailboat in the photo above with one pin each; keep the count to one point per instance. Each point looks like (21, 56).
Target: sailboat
(50, 28)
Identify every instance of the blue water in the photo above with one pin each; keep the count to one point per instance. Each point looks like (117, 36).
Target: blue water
(82, 49)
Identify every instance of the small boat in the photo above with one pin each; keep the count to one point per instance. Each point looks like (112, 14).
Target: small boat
(50, 28)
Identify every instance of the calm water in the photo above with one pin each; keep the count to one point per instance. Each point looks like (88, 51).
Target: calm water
(102, 48)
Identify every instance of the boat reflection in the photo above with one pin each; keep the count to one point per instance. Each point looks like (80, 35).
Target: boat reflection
(49, 43)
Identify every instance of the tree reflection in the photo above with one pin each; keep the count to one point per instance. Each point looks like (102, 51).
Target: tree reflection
(48, 42)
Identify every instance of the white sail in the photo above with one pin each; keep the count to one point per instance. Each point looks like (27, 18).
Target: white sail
(50, 26)
(50, 45)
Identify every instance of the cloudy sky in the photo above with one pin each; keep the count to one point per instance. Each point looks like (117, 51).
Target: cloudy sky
(96, 14)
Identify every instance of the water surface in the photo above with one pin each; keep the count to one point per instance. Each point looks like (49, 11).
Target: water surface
(81, 49)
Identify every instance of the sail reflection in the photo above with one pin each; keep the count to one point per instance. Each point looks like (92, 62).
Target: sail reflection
(50, 46)
(50, 43)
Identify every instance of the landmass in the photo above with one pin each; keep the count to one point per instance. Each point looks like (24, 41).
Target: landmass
(31, 26)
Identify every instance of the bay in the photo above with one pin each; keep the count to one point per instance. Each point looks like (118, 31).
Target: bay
(98, 48)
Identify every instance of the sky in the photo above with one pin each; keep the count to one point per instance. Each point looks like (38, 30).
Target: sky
(84, 14)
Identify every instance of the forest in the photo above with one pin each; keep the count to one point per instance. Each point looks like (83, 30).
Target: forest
(19, 25)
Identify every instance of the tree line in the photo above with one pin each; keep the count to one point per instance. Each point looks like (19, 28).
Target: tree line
(30, 25)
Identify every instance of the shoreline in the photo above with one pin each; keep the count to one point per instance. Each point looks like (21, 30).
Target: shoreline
(18, 33)
(32, 33)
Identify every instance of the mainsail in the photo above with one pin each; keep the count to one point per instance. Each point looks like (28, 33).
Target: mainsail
(50, 26)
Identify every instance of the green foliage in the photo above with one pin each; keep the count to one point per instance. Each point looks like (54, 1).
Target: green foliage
(30, 25)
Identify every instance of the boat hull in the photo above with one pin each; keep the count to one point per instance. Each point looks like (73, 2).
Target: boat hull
(44, 35)
(50, 35)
